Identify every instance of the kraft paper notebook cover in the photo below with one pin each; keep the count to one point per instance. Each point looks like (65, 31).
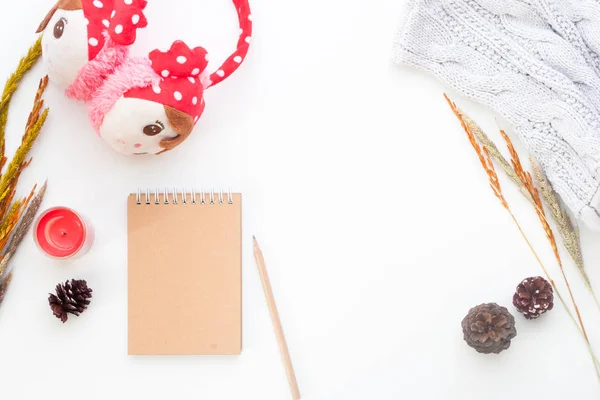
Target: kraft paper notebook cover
(184, 274)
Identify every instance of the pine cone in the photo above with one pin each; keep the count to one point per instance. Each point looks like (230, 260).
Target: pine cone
(488, 328)
(71, 298)
(534, 296)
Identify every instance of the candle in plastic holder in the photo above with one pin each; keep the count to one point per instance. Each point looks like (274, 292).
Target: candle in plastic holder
(62, 233)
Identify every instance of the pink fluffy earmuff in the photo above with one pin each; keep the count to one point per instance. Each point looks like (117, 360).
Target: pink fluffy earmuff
(138, 105)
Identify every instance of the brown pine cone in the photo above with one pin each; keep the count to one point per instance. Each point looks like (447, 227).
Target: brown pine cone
(489, 328)
(534, 296)
(71, 298)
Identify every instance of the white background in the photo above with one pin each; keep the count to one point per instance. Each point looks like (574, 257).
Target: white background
(377, 224)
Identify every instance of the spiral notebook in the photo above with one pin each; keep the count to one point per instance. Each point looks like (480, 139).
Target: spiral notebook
(184, 273)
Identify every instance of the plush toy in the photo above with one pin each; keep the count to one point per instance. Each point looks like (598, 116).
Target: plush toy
(151, 105)
(137, 105)
(78, 32)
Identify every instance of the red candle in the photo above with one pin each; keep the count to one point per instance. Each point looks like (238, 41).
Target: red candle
(62, 233)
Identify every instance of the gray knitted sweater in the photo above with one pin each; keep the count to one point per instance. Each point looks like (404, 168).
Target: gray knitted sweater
(537, 63)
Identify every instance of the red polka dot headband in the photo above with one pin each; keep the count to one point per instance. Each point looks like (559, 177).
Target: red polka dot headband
(175, 79)
(181, 67)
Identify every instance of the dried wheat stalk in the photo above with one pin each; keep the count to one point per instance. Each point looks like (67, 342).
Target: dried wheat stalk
(527, 182)
(16, 217)
(4, 287)
(21, 230)
(567, 229)
(565, 225)
(494, 152)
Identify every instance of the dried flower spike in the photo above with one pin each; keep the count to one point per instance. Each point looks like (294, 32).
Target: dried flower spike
(15, 223)
(526, 183)
(4, 287)
(489, 328)
(71, 298)
(533, 297)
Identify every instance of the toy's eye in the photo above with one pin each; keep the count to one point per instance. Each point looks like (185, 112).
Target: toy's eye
(59, 28)
(154, 129)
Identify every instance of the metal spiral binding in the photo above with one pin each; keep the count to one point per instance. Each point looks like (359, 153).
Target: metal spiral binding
(175, 197)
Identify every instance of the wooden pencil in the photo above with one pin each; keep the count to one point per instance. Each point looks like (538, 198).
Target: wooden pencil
(283, 348)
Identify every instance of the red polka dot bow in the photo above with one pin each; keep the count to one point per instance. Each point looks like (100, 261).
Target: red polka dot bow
(120, 18)
(181, 87)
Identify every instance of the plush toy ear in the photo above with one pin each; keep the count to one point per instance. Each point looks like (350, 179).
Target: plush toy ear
(47, 19)
(68, 5)
(182, 123)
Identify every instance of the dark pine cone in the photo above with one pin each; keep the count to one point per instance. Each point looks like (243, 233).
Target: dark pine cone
(488, 328)
(534, 296)
(71, 298)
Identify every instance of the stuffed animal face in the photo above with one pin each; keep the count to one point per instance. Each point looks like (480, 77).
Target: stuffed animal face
(77, 32)
(135, 126)
(151, 105)
(65, 46)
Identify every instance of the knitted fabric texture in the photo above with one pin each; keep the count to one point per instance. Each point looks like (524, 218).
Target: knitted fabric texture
(535, 62)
